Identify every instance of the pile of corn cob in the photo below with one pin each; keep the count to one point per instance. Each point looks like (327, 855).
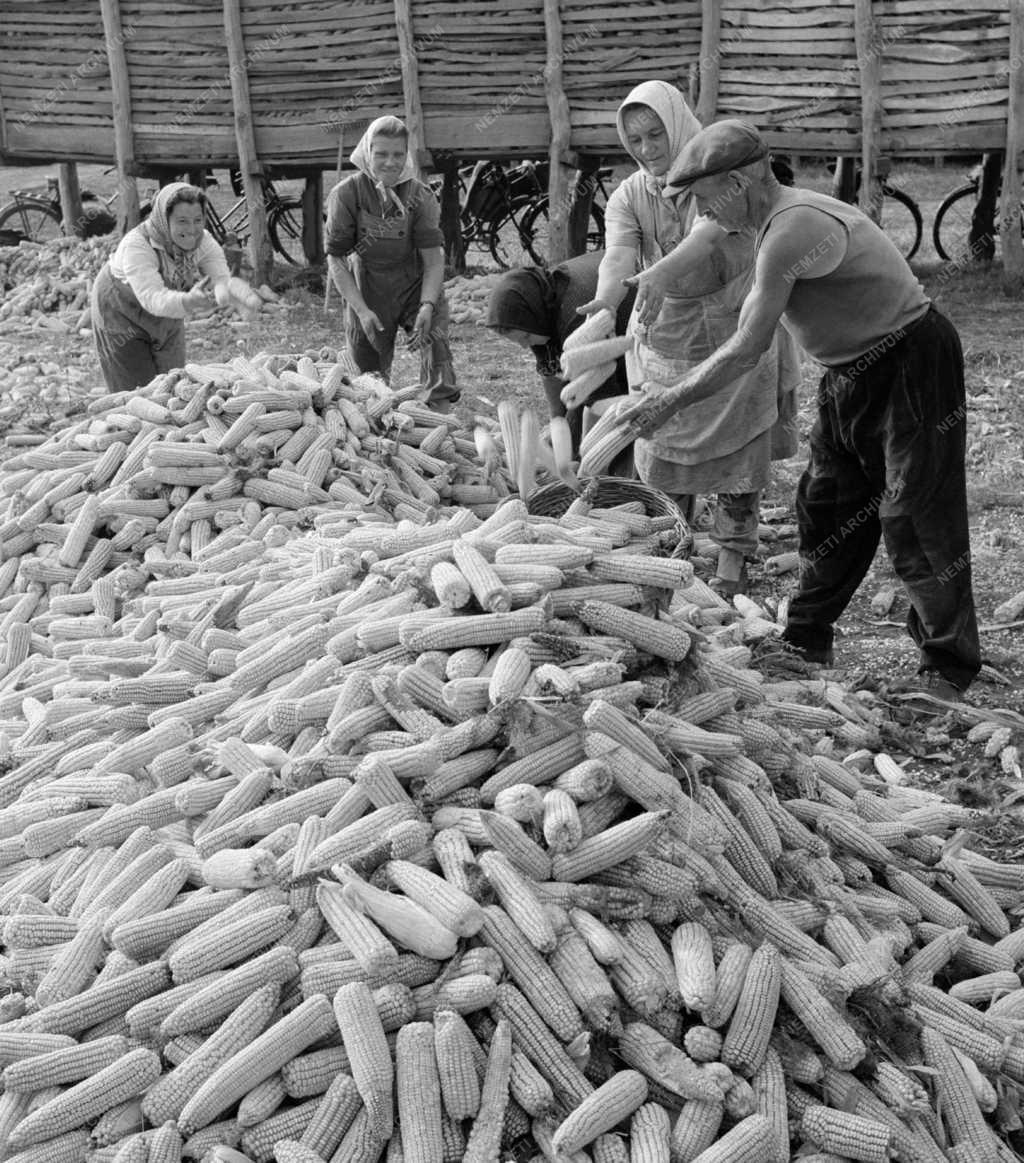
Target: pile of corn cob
(636, 906)
(43, 278)
(468, 297)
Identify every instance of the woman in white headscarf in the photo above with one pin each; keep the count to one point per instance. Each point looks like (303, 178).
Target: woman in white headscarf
(162, 270)
(385, 253)
(723, 445)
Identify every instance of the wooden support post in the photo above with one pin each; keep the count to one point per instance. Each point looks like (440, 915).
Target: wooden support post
(245, 137)
(197, 178)
(451, 213)
(582, 201)
(1009, 211)
(869, 58)
(844, 180)
(559, 194)
(982, 239)
(313, 218)
(411, 85)
(710, 60)
(121, 94)
(72, 214)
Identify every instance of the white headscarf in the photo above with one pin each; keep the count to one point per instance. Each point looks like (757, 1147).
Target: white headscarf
(360, 158)
(680, 124)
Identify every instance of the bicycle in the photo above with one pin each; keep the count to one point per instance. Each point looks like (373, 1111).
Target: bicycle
(36, 215)
(900, 216)
(39, 218)
(505, 211)
(951, 232)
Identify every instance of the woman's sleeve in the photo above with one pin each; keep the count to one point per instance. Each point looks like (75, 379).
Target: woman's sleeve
(211, 260)
(426, 218)
(341, 227)
(621, 224)
(142, 273)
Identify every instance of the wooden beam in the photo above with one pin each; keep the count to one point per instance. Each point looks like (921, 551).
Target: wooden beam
(451, 213)
(559, 194)
(411, 85)
(1009, 211)
(710, 60)
(72, 214)
(313, 218)
(260, 251)
(121, 91)
(982, 237)
(869, 58)
(582, 201)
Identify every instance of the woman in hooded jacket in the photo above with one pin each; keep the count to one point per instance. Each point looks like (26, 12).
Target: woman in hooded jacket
(385, 253)
(725, 444)
(162, 270)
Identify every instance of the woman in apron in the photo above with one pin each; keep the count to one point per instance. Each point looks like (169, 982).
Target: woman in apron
(385, 252)
(725, 445)
(162, 270)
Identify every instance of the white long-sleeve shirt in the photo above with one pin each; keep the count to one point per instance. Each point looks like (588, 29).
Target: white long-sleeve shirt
(135, 262)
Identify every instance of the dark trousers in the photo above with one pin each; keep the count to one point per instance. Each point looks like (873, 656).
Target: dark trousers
(887, 460)
(377, 355)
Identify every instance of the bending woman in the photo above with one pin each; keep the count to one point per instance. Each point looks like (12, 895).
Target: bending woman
(162, 270)
(724, 445)
(538, 309)
(385, 223)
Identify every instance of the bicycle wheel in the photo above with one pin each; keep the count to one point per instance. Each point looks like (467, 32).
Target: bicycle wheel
(952, 230)
(32, 219)
(535, 230)
(506, 238)
(285, 227)
(901, 220)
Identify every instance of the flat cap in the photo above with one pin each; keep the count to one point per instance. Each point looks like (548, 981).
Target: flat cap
(726, 145)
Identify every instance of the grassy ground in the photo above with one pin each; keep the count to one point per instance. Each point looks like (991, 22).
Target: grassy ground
(872, 648)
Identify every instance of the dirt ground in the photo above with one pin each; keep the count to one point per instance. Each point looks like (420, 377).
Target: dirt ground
(873, 647)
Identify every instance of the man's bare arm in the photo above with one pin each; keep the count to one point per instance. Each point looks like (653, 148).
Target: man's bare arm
(759, 316)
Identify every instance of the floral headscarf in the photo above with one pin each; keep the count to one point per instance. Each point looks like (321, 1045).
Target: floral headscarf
(178, 268)
(360, 158)
(680, 123)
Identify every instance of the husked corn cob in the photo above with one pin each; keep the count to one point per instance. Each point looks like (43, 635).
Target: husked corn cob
(827, 1026)
(455, 1049)
(846, 1134)
(418, 1093)
(128, 1076)
(266, 1054)
(615, 1100)
(369, 1056)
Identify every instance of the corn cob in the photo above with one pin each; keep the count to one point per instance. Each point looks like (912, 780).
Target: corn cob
(455, 1048)
(129, 1075)
(826, 1025)
(367, 1049)
(418, 1093)
(846, 1134)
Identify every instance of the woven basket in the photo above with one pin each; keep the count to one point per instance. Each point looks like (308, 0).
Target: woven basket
(552, 500)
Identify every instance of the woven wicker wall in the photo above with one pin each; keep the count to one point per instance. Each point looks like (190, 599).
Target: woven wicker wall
(791, 67)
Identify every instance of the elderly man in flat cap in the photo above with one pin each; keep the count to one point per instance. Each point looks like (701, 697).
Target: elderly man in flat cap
(887, 449)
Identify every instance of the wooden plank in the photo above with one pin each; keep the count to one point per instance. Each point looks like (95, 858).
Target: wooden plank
(120, 83)
(261, 252)
(410, 84)
(72, 215)
(870, 47)
(710, 61)
(1009, 209)
(561, 130)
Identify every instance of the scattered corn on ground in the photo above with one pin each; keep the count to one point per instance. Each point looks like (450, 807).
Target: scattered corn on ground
(468, 296)
(40, 279)
(349, 812)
